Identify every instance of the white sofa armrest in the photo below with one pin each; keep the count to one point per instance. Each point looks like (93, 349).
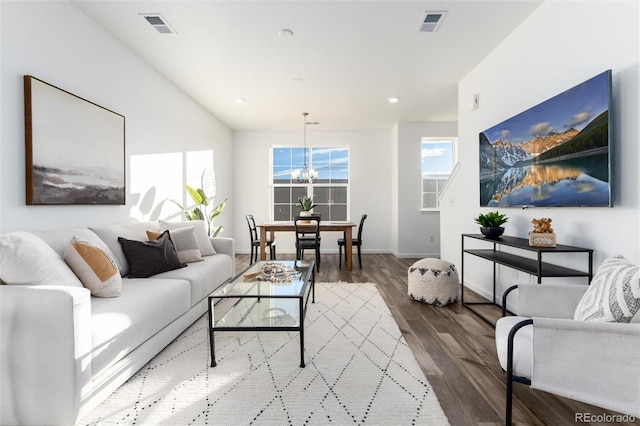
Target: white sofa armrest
(594, 362)
(45, 353)
(546, 300)
(226, 245)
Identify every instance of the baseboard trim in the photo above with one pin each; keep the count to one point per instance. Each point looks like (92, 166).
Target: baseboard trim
(364, 251)
(417, 255)
(323, 251)
(481, 291)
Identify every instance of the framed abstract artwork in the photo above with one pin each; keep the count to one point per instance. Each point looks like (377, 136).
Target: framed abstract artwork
(74, 148)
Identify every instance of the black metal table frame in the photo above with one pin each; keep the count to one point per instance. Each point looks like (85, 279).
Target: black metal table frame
(534, 267)
(309, 278)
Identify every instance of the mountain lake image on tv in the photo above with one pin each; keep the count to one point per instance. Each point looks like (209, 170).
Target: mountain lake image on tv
(553, 154)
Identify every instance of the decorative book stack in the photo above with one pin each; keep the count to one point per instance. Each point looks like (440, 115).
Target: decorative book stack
(537, 239)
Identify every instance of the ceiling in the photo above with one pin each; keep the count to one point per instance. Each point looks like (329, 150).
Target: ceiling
(344, 60)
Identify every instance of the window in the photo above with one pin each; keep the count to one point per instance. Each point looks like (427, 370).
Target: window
(438, 160)
(330, 190)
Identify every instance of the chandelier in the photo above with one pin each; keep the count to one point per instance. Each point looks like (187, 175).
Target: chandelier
(306, 175)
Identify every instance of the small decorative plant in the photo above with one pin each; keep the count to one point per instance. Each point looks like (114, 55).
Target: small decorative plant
(305, 204)
(491, 219)
(490, 224)
(201, 200)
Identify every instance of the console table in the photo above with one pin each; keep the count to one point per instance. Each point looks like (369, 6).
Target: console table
(533, 266)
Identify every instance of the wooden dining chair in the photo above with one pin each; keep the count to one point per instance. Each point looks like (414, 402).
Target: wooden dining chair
(255, 241)
(342, 242)
(311, 235)
(307, 231)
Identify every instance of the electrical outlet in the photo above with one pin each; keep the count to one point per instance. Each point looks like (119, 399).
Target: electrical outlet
(432, 238)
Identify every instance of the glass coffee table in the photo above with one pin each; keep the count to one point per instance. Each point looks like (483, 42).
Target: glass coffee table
(278, 305)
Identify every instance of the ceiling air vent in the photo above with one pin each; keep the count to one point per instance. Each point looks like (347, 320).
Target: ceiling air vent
(431, 22)
(158, 22)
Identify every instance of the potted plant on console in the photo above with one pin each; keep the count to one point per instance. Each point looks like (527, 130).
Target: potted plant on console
(490, 223)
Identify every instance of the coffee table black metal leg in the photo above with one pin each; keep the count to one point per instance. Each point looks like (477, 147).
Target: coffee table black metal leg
(213, 348)
(313, 286)
(302, 332)
(211, 336)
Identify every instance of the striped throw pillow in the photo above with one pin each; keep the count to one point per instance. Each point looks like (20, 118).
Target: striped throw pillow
(614, 293)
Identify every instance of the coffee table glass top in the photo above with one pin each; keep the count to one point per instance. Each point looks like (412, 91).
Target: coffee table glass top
(265, 304)
(241, 286)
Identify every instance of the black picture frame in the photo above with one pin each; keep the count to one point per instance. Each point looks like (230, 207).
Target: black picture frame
(555, 154)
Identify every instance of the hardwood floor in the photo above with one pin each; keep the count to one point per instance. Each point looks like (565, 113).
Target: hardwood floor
(455, 349)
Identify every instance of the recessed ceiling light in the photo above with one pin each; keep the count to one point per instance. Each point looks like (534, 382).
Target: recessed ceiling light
(285, 33)
(393, 100)
(240, 100)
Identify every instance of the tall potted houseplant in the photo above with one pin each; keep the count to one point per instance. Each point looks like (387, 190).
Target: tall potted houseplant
(202, 205)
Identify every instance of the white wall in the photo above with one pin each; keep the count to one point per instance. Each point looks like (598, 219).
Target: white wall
(370, 179)
(385, 184)
(560, 45)
(418, 231)
(395, 188)
(169, 138)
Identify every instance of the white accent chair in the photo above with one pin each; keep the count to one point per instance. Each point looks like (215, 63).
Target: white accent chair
(544, 347)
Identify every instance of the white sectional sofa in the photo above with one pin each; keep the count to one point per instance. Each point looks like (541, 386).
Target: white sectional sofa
(62, 350)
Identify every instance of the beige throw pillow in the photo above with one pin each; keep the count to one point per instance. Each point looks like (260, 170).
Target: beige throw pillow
(96, 270)
(200, 229)
(184, 240)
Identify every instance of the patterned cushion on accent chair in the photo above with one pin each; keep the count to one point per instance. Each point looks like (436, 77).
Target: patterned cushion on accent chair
(614, 293)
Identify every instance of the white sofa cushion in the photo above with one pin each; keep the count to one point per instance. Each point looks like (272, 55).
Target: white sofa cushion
(58, 239)
(27, 259)
(131, 231)
(200, 275)
(145, 306)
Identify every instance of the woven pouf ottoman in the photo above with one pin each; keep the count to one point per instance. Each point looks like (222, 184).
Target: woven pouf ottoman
(433, 281)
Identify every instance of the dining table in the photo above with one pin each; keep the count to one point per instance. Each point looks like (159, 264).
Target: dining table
(287, 226)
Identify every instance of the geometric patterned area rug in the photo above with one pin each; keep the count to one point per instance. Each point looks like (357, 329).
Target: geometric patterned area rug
(359, 371)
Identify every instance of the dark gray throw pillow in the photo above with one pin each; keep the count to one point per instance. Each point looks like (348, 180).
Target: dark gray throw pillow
(148, 258)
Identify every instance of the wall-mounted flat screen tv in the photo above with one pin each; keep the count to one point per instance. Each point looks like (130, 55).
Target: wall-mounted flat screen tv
(555, 154)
